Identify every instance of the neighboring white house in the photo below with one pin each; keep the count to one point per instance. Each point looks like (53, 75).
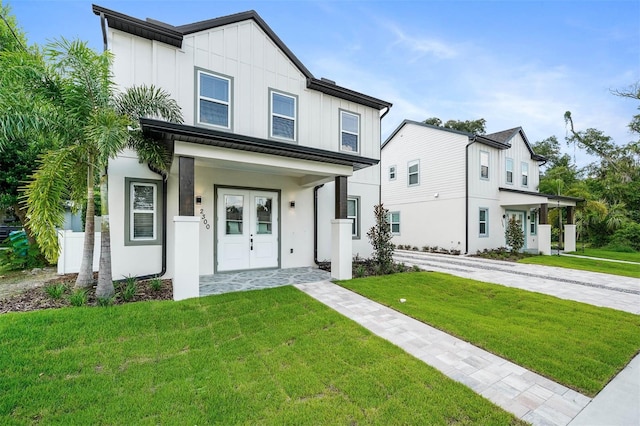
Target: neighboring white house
(273, 168)
(457, 191)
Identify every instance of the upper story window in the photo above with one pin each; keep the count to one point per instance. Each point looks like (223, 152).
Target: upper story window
(509, 171)
(524, 167)
(392, 173)
(484, 165)
(413, 173)
(284, 114)
(214, 99)
(349, 131)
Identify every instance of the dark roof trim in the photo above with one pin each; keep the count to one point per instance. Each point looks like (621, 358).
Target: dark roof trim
(146, 29)
(332, 89)
(539, 194)
(165, 33)
(162, 130)
(421, 124)
(490, 142)
(506, 135)
(244, 16)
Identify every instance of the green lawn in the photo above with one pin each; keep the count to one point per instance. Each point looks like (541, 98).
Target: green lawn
(578, 345)
(264, 357)
(608, 254)
(594, 265)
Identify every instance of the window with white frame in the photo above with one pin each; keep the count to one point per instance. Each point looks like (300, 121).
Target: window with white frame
(413, 173)
(392, 173)
(532, 224)
(143, 219)
(353, 213)
(484, 165)
(214, 99)
(524, 167)
(349, 131)
(483, 222)
(284, 113)
(394, 222)
(509, 171)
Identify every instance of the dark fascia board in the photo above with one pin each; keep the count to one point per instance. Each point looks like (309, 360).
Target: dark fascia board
(244, 16)
(163, 130)
(429, 126)
(332, 89)
(520, 130)
(539, 194)
(490, 142)
(146, 29)
(160, 31)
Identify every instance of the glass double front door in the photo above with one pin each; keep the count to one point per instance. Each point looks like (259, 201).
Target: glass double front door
(247, 229)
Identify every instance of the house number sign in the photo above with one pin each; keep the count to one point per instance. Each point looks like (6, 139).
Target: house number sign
(204, 219)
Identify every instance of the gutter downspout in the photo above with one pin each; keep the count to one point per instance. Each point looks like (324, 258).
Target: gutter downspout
(315, 224)
(164, 227)
(104, 30)
(466, 193)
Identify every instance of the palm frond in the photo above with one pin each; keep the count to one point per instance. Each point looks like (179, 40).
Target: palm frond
(44, 195)
(148, 101)
(108, 132)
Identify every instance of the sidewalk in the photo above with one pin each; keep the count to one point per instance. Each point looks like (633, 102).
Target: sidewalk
(527, 395)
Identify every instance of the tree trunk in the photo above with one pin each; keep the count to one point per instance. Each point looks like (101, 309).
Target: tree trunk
(105, 280)
(22, 217)
(85, 276)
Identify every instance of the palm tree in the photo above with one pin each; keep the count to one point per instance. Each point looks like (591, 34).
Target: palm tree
(80, 108)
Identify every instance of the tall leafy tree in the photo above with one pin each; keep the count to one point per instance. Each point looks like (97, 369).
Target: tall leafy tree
(91, 123)
(476, 127)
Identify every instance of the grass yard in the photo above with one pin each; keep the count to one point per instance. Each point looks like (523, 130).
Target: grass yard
(594, 265)
(608, 254)
(264, 357)
(578, 345)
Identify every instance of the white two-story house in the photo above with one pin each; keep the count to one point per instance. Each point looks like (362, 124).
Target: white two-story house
(457, 191)
(272, 168)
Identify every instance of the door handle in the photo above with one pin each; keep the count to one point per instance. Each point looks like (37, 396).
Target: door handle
(251, 240)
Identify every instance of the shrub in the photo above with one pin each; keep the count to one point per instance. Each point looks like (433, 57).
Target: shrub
(106, 301)
(55, 291)
(626, 237)
(130, 289)
(380, 238)
(19, 254)
(78, 298)
(514, 235)
(156, 284)
(360, 271)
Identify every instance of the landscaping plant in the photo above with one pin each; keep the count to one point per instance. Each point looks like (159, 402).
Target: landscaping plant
(380, 238)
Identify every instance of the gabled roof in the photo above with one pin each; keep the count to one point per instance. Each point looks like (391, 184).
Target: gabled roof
(499, 140)
(173, 36)
(506, 135)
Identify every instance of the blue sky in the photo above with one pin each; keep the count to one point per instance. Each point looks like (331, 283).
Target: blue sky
(513, 63)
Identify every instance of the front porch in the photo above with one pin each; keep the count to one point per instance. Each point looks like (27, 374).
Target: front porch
(227, 282)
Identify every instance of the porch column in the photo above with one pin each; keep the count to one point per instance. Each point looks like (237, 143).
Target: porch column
(186, 276)
(544, 231)
(185, 186)
(570, 230)
(571, 215)
(341, 243)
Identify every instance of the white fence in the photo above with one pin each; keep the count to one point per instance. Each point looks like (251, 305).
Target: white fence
(71, 244)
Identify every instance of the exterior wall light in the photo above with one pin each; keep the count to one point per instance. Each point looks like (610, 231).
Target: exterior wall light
(198, 200)
(292, 204)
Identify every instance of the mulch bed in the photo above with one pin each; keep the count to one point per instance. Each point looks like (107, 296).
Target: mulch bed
(37, 298)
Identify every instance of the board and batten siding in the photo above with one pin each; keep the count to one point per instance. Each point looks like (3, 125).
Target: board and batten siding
(245, 53)
(519, 153)
(427, 219)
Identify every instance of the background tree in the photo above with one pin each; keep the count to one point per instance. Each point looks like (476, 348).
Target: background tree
(476, 127)
(17, 154)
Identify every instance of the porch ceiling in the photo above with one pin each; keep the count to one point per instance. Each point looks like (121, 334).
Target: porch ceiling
(162, 130)
(514, 197)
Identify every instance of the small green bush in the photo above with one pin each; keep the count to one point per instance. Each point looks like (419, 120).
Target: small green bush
(360, 271)
(19, 254)
(626, 238)
(55, 291)
(156, 284)
(78, 298)
(130, 289)
(106, 301)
